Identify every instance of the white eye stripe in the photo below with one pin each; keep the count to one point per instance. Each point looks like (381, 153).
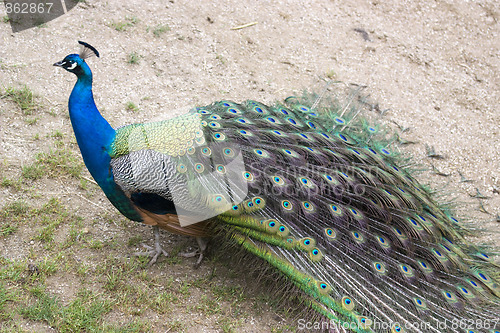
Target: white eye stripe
(73, 66)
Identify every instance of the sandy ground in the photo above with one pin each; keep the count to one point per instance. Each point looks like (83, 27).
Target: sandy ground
(434, 66)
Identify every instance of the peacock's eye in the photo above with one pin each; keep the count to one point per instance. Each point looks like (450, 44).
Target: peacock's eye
(68, 64)
(71, 64)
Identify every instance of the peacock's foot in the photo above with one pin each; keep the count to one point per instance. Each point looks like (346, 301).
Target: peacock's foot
(202, 247)
(153, 252)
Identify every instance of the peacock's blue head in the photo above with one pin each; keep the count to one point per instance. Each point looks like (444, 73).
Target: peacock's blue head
(72, 63)
(75, 63)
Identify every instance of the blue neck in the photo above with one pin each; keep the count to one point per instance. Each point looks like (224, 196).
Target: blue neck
(93, 133)
(94, 136)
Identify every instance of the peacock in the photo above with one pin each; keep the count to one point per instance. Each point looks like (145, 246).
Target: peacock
(308, 190)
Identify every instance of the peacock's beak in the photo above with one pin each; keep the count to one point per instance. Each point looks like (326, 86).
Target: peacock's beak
(59, 64)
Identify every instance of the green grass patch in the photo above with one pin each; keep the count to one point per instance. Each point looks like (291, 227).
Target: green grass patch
(6, 182)
(23, 98)
(221, 58)
(7, 229)
(228, 293)
(13, 271)
(57, 134)
(33, 172)
(160, 29)
(133, 58)
(18, 209)
(10, 183)
(229, 325)
(175, 326)
(46, 234)
(55, 163)
(83, 314)
(45, 308)
(96, 244)
(44, 220)
(208, 305)
(50, 216)
(125, 24)
(75, 233)
(6, 297)
(134, 240)
(113, 279)
(136, 326)
(31, 121)
(130, 106)
(162, 302)
(48, 266)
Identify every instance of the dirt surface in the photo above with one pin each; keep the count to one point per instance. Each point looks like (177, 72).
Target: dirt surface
(433, 66)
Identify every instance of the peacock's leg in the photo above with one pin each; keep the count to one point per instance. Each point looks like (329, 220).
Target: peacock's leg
(202, 247)
(155, 251)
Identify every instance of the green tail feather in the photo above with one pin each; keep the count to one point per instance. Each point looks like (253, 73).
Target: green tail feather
(395, 257)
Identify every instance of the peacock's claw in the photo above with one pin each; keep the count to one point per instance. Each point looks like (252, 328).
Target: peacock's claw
(202, 247)
(155, 251)
(152, 252)
(189, 254)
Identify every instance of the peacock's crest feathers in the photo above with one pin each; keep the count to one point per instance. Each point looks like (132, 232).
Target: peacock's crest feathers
(87, 50)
